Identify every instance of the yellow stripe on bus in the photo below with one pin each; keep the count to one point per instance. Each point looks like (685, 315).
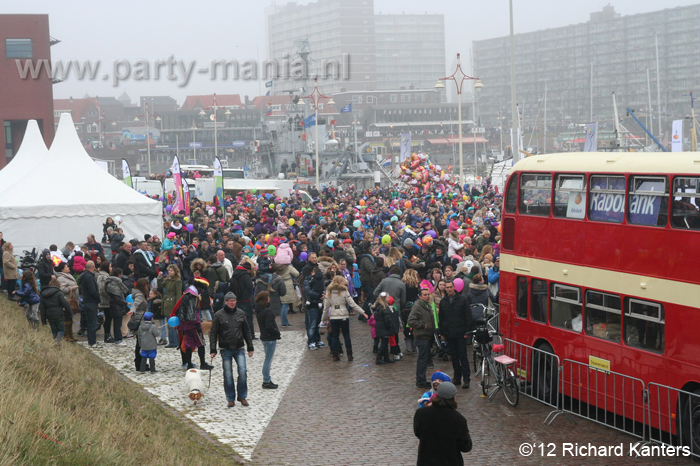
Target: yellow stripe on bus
(651, 288)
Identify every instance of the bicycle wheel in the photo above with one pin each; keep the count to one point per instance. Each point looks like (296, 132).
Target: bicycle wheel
(510, 388)
(478, 359)
(486, 377)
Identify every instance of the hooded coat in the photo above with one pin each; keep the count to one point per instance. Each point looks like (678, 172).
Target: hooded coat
(54, 306)
(289, 274)
(284, 254)
(337, 301)
(278, 289)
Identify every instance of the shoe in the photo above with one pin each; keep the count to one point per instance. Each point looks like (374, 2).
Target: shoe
(312, 346)
(80, 332)
(465, 384)
(206, 367)
(120, 343)
(109, 340)
(129, 336)
(231, 404)
(397, 358)
(400, 355)
(431, 366)
(380, 362)
(335, 356)
(95, 346)
(320, 344)
(243, 401)
(424, 384)
(254, 338)
(269, 385)
(171, 346)
(162, 342)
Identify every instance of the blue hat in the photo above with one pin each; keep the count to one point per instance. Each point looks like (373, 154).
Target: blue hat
(148, 316)
(440, 376)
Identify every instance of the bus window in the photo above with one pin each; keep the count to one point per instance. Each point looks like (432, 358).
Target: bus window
(538, 311)
(535, 194)
(603, 313)
(521, 309)
(512, 194)
(607, 198)
(566, 307)
(648, 201)
(570, 196)
(686, 203)
(644, 325)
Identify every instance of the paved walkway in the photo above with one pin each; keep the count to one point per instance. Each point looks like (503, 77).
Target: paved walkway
(358, 413)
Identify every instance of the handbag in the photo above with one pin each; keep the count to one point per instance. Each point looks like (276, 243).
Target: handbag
(134, 325)
(73, 303)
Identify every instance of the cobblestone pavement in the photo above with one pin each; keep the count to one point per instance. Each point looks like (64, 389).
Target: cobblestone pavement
(358, 413)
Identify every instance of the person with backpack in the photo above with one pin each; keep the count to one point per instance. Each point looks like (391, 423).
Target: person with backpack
(477, 295)
(288, 274)
(172, 290)
(116, 292)
(241, 284)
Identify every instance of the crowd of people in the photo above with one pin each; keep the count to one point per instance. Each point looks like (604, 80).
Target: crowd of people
(411, 266)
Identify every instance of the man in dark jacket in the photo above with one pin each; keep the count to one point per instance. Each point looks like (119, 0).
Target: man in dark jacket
(230, 329)
(241, 284)
(455, 321)
(365, 263)
(91, 299)
(53, 308)
(145, 266)
(45, 268)
(443, 432)
(314, 289)
(423, 324)
(123, 256)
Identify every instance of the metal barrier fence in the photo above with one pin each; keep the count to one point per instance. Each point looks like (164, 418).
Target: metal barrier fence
(609, 398)
(673, 417)
(537, 371)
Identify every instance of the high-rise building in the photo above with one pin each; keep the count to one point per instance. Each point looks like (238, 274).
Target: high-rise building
(410, 50)
(583, 64)
(23, 39)
(374, 51)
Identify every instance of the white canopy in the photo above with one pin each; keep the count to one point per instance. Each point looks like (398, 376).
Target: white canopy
(66, 196)
(30, 154)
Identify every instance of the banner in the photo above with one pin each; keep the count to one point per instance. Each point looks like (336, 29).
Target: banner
(310, 121)
(126, 173)
(177, 179)
(591, 142)
(219, 183)
(405, 146)
(346, 109)
(677, 136)
(186, 197)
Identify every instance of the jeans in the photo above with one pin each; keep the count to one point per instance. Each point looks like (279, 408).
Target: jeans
(338, 325)
(284, 312)
(108, 320)
(117, 325)
(206, 315)
(227, 356)
(163, 329)
(423, 358)
(383, 351)
(460, 362)
(369, 292)
(269, 353)
(173, 338)
(313, 314)
(57, 329)
(91, 313)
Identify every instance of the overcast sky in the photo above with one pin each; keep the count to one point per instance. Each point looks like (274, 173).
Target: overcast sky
(235, 29)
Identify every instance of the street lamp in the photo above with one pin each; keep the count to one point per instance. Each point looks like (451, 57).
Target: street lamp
(316, 96)
(148, 138)
(215, 118)
(477, 85)
(439, 86)
(458, 77)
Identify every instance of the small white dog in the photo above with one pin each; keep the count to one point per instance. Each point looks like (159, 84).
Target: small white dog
(194, 385)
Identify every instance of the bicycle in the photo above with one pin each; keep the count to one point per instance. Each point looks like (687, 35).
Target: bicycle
(492, 323)
(496, 372)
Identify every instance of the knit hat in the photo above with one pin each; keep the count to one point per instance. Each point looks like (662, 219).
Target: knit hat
(264, 252)
(45, 252)
(408, 243)
(446, 390)
(245, 265)
(229, 295)
(148, 316)
(171, 235)
(440, 376)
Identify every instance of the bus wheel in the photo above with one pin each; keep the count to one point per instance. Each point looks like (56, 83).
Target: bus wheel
(545, 375)
(689, 420)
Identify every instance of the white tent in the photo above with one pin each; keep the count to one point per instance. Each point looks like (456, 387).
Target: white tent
(66, 196)
(30, 154)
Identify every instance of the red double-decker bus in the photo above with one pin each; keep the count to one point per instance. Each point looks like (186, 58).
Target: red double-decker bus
(600, 264)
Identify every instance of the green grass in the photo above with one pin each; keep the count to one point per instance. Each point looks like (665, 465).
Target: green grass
(64, 407)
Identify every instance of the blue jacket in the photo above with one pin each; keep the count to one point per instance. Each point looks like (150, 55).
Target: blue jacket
(28, 295)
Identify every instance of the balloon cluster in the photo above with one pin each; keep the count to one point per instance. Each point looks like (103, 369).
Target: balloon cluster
(418, 172)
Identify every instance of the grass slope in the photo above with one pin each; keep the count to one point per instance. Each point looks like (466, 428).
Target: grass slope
(64, 407)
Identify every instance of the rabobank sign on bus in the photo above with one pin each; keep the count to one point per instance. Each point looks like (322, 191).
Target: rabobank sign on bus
(610, 207)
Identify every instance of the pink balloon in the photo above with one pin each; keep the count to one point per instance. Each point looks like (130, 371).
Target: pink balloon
(459, 285)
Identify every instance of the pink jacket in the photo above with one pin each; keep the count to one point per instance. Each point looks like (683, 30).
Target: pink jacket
(372, 330)
(284, 254)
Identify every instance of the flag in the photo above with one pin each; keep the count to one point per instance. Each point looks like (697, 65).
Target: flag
(591, 141)
(177, 180)
(310, 121)
(346, 109)
(186, 197)
(677, 136)
(269, 111)
(126, 173)
(405, 146)
(267, 93)
(219, 182)
(268, 84)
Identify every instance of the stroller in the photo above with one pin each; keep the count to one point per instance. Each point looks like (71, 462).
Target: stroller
(440, 349)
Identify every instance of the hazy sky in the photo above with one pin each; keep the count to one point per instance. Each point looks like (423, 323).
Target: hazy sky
(234, 29)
